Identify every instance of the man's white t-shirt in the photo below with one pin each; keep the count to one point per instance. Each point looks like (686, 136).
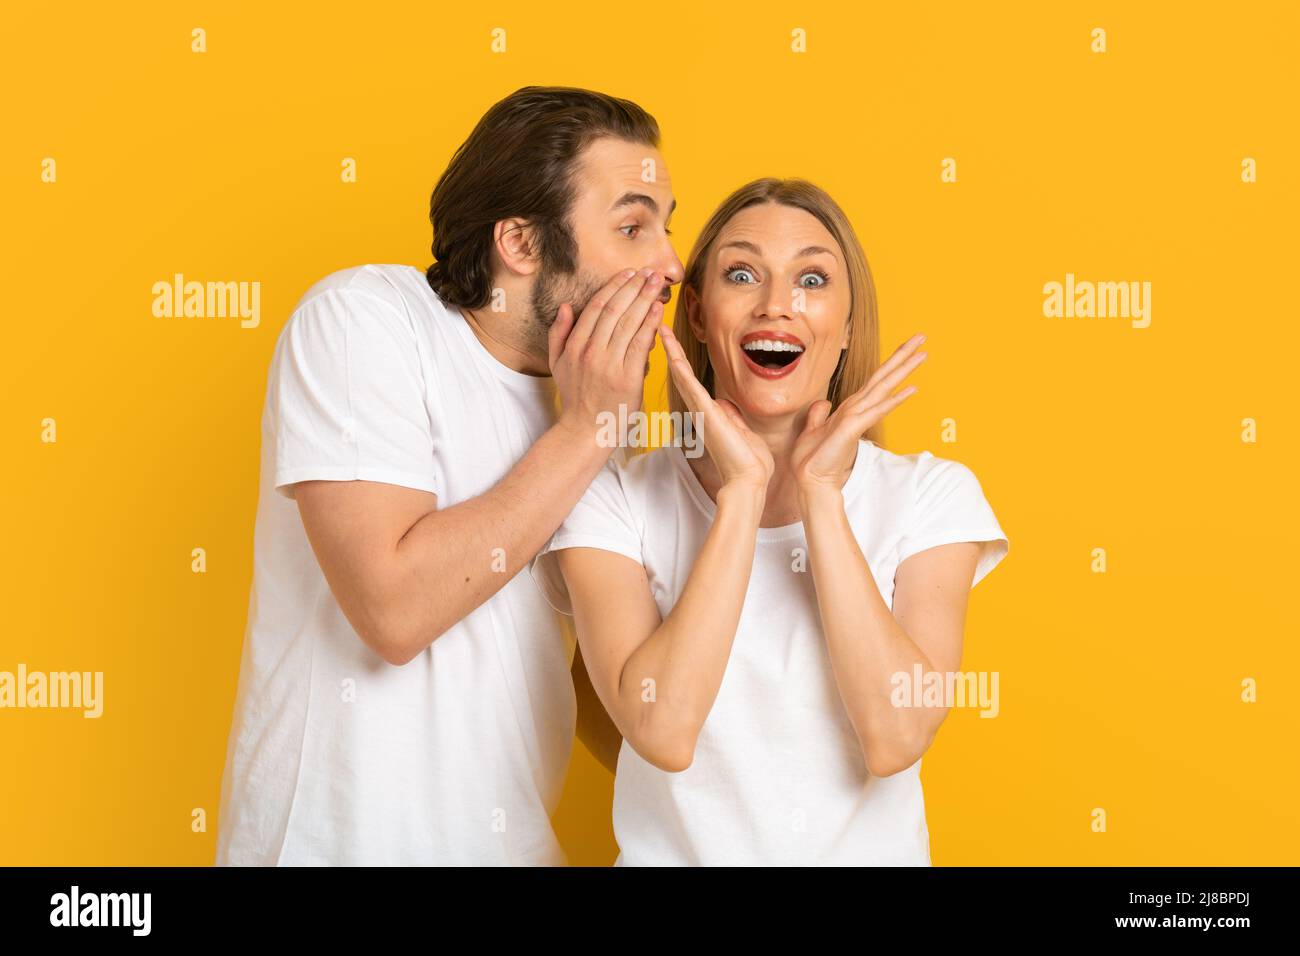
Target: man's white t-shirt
(778, 776)
(335, 756)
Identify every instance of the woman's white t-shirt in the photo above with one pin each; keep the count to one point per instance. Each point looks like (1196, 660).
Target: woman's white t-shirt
(778, 775)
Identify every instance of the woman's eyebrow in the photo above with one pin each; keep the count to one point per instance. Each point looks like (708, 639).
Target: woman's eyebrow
(814, 251)
(750, 247)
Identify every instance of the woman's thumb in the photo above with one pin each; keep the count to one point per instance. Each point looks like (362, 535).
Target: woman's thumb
(817, 415)
(731, 411)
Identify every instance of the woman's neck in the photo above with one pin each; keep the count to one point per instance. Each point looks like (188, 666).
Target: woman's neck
(781, 506)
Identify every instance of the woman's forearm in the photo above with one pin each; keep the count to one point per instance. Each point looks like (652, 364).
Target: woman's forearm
(866, 644)
(671, 680)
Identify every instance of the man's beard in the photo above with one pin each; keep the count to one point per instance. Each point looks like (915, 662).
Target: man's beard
(551, 291)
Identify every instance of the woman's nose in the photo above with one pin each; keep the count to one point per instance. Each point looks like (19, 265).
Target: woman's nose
(779, 303)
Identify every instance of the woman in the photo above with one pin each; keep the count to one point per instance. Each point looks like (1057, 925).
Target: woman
(748, 617)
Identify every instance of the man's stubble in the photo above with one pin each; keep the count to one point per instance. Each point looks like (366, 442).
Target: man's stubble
(552, 290)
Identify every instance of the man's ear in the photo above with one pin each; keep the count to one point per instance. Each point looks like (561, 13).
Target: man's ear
(515, 244)
(693, 316)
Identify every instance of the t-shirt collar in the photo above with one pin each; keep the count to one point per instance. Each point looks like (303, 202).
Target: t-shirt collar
(542, 384)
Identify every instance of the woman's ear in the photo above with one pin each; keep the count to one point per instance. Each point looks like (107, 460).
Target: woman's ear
(513, 241)
(848, 336)
(693, 316)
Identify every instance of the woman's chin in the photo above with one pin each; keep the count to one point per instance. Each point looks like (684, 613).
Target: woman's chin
(768, 404)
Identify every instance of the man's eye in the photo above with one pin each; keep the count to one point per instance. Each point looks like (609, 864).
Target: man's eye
(632, 234)
(740, 276)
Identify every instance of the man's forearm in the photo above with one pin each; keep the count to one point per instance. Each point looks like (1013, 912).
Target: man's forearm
(454, 559)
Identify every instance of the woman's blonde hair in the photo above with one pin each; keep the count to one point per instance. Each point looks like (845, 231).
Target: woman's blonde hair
(860, 359)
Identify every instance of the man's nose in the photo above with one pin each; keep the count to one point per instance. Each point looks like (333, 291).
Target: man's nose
(668, 263)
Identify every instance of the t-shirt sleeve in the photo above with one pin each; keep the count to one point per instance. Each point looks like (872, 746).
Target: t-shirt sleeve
(348, 396)
(603, 519)
(949, 506)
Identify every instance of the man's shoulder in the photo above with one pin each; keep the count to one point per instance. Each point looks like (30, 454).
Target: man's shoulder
(395, 285)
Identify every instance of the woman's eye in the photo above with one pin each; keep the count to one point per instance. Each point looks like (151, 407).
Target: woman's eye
(632, 234)
(742, 276)
(817, 280)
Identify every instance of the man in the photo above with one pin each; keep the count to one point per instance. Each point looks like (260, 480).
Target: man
(405, 693)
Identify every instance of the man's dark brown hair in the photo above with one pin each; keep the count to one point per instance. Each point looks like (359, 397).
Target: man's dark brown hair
(519, 163)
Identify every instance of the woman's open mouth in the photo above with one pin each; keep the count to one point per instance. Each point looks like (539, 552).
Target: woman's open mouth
(771, 354)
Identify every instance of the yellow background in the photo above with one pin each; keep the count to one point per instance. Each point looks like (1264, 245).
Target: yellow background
(1119, 691)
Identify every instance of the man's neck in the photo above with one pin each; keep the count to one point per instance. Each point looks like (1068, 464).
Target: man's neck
(498, 332)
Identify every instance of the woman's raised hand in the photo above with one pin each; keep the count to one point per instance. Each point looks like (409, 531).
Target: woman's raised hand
(825, 450)
(741, 457)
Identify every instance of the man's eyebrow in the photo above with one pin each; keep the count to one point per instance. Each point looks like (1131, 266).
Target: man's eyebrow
(641, 199)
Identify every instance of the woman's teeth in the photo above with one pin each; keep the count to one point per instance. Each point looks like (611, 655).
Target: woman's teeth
(772, 355)
(770, 345)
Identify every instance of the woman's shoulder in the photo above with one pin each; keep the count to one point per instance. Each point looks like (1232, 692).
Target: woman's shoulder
(907, 475)
(910, 464)
(941, 501)
(651, 482)
(645, 467)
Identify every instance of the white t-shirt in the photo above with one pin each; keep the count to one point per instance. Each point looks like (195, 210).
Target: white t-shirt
(778, 776)
(335, 756)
